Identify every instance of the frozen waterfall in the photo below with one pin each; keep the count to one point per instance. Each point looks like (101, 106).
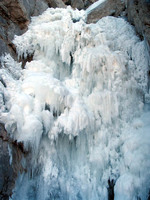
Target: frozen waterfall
(80, 107)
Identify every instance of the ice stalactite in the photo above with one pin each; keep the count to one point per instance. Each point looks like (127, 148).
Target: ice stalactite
(79, 108)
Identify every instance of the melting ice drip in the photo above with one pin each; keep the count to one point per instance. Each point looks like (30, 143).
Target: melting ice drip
(77, 107)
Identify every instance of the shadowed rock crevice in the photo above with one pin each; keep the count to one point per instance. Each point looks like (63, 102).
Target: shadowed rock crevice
(111, 184)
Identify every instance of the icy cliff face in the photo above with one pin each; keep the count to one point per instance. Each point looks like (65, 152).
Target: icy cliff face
(78, 107)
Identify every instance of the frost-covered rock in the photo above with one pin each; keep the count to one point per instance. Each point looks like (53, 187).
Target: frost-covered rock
(103, 8)
(78, 106)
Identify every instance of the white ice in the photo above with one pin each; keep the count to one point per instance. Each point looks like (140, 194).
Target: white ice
(79, 107)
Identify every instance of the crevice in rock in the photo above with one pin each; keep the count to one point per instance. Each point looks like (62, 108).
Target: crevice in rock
(13, 48)
(71, 62)
(68, 3)
(3, 82)
(149, 195)
(111, 184)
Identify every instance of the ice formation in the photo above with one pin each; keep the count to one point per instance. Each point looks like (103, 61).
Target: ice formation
(79, 107)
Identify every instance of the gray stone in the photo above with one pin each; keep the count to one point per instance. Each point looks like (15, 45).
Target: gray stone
(39, 8)
(56, 3)
(28, 7)
(12, 30)
(3, 47)
(77, 4)
(6, 170)
(107, 8)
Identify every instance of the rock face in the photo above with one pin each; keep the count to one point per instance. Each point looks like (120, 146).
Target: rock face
(6, 171)
(139, 15)
(107, 8)
(56, 3)
(79, 4)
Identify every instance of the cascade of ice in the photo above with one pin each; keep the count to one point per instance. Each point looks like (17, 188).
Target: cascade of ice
(78, 107)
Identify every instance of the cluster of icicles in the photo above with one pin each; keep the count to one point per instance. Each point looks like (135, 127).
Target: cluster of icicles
(78, 107)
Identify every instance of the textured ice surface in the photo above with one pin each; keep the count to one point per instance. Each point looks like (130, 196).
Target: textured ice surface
(79, 108)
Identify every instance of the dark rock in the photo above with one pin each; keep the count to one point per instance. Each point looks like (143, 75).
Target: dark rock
(148, 196)
(14, 11)
(107, 8)
(77, 4)
(111, 184)
(39, 7)
(56, 3)
(3, 47)
(6, 170)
